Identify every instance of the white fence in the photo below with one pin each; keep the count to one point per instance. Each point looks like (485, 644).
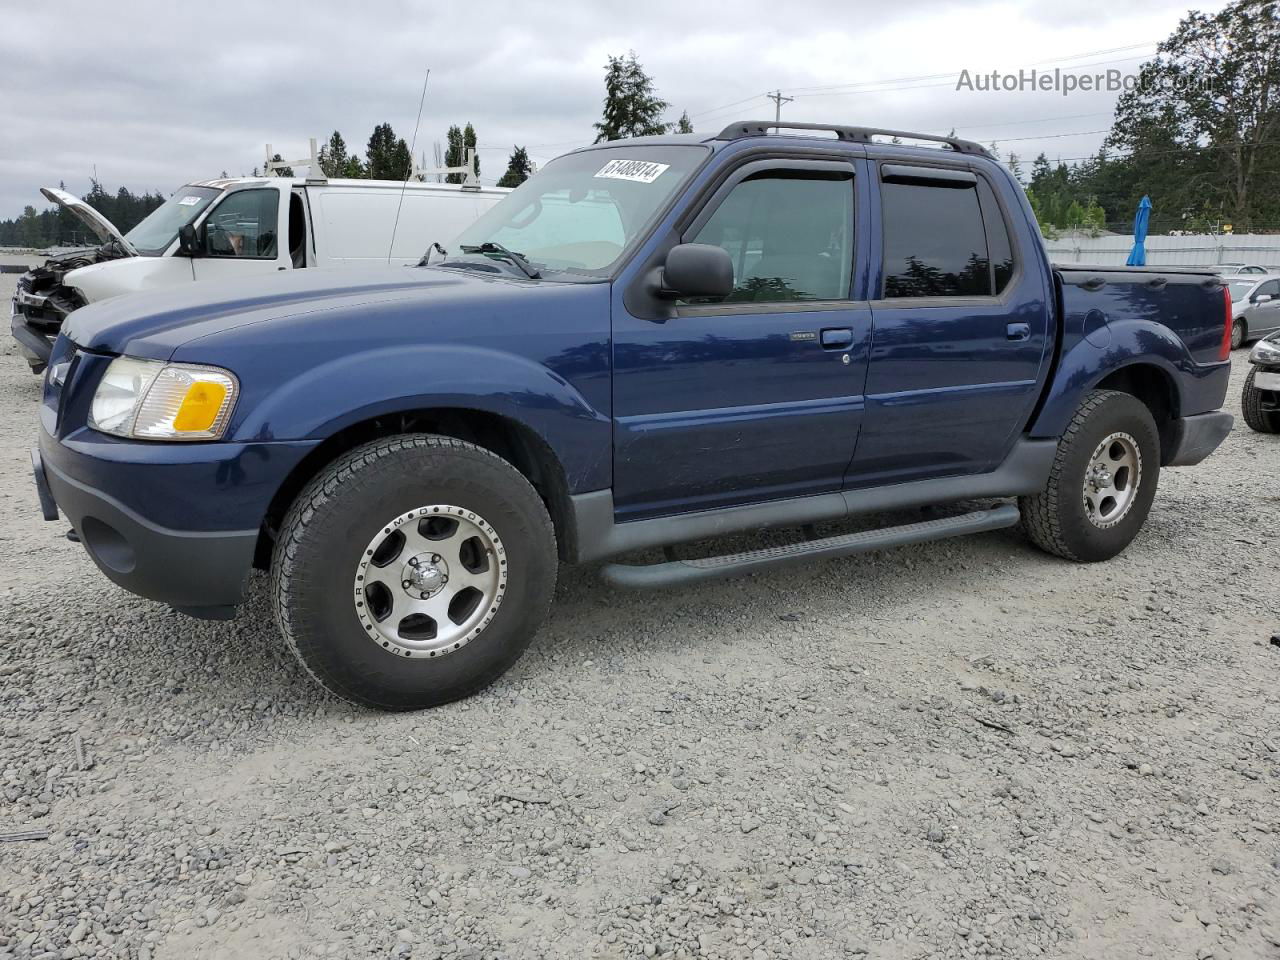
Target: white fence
(1201, 251)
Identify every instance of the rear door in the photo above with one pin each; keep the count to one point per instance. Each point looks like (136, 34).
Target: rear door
(244, 235)
(759, 396)
(961, 328)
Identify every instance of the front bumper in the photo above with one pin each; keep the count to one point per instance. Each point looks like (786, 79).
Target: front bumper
(1194, 438)
(160, 520)
(34, 347)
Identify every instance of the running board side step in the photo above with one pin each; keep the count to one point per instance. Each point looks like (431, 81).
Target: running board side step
(675, 572)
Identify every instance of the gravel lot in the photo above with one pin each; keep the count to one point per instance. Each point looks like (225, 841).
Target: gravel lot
(967, 748)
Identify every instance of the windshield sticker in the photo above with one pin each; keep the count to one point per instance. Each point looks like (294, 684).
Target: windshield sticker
(641, 171)
(189, 201)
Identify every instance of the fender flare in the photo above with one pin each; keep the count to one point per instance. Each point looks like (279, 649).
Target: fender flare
(391, 380)
(1090, 360)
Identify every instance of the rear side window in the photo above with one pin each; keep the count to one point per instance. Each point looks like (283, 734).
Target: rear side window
(944, 240)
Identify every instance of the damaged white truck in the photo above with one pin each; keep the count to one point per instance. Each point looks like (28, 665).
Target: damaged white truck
(240, 227)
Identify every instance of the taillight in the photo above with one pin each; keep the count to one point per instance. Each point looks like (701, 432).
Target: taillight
(1225, 352)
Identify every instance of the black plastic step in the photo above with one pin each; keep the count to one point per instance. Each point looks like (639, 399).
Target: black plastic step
(675, 572)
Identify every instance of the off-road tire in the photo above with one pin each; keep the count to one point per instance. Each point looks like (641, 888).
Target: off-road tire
(1056, 519)
(1258, 419)
(325, 535)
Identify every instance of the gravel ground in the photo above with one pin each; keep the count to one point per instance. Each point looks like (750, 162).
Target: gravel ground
(960, 749)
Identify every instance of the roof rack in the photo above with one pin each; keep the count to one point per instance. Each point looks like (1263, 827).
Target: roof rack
(758, 128)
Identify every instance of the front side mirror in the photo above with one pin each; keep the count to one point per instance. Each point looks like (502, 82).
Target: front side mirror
(697, 270)
(189, 242)
(1262, 298)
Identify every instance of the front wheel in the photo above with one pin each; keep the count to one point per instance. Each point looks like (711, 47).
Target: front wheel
(1264, 418)
(1237, 335)
(1102, 483)
(413, 571)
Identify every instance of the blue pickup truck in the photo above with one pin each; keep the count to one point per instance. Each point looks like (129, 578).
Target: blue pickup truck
(650, 342)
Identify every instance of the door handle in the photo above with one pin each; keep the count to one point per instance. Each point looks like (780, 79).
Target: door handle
(1018, 331)
(837, 338)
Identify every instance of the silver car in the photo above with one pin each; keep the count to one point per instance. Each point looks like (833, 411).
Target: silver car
(1255, 308)
(1261, 400)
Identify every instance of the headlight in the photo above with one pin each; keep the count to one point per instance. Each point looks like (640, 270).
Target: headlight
(153, 400)
(1265, 351)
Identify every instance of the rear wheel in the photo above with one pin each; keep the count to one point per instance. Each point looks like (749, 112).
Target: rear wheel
(1237, 334)
(1102, 483)
(1260, 417)
(413, 571)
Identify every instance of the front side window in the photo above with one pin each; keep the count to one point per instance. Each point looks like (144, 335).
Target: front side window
(579, 213)
(1269, 289)
(936, 243)
(244, 225)
(789, 234)
(153, 235)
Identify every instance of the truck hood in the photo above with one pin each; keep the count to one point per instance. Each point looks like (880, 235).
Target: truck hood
(103, 228)
(155, 324)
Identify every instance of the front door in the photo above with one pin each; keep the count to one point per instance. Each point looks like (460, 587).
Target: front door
(757, 397)
(1263, 316)
(961, 331)
(245, 235)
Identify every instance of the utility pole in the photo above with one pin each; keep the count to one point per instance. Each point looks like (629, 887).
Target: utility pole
(778, 100)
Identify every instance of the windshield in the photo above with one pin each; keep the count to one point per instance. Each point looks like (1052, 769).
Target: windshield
(580, 213)
(153, 235)
(1240, 288)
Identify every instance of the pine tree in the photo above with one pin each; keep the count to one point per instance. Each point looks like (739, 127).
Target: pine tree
(469, 143)
(631, 107)
(684, 124)
(383, 154)
(518, 169)
(333, 156)
(454, 153)
(1015, 167)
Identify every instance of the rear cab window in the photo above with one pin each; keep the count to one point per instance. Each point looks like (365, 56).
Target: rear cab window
(944, 234)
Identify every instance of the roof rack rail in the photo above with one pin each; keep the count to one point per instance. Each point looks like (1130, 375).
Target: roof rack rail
(758, 128)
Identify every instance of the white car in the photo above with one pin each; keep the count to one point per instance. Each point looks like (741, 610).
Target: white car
(1241, 269)
(1255, 308)
(240, 227)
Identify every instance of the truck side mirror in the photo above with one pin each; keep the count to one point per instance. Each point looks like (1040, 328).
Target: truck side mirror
(189, 242)
(697, 270)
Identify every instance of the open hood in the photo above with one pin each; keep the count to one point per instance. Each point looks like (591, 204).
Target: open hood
(91, 218)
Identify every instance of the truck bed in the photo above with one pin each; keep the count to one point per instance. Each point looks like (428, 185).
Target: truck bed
(1187, 300)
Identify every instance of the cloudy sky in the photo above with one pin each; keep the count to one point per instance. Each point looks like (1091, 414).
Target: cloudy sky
(166, 93)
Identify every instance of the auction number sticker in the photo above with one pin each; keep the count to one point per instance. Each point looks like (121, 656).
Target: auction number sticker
(189, 201)
(641, 171)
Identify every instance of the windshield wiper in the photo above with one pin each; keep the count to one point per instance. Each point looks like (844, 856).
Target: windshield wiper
(426, 257)
(525, 267)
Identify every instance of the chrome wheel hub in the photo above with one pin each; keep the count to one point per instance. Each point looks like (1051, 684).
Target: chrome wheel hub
(1112, 479)
(425, 575)
(430, 581)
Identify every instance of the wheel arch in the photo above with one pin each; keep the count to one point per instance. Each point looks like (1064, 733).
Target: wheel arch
(517, 443)
(1143, 359)
(1157, 390)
